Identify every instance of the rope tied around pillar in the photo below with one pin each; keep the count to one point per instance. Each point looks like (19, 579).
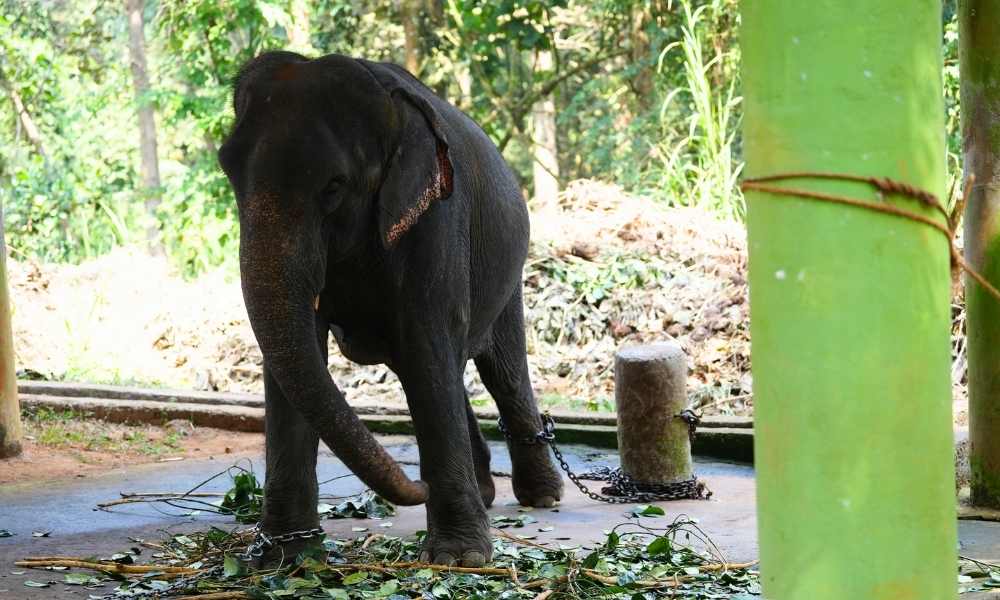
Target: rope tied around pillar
(883, 185)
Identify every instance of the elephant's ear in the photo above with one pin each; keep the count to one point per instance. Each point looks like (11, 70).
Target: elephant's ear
(420, 171)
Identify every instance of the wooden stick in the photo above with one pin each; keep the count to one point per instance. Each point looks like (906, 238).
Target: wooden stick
(216, 596)
(537, 583)
(647, 583)
(171, 495)
(110, 567)
(134, 498)
(522, 541)
(544, 595)
(728, 566)
(398, 566)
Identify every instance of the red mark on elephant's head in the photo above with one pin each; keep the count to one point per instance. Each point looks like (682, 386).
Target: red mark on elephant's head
(287, 72)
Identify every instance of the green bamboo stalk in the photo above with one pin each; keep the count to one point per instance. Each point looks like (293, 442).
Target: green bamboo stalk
(11, 434)
(850, 307)
(979, 57)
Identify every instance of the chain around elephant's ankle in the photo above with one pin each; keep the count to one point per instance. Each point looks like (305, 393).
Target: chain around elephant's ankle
(263, 542)
(546, 436)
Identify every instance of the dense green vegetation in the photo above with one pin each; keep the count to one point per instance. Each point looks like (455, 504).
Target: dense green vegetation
(645, 94)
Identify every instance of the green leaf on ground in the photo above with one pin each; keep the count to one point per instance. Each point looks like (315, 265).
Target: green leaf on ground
(81, 579)
(647, 510)
(232, 566)
(354, 578)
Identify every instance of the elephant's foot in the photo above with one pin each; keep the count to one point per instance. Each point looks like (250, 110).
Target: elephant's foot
(458, 544)
(458, 533)
(284, 553)
(535, 479)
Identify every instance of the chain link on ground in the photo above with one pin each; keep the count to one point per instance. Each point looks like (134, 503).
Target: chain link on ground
(622, 489)
(262, 542)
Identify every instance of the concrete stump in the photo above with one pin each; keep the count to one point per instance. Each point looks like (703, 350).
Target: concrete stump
(650, 390)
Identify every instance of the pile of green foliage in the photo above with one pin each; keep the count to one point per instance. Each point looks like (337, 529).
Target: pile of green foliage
(634, 562)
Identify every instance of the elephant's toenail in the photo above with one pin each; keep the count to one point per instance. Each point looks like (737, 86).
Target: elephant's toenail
(445, 558)
(425, 557)
(545, 502)
(473, 559)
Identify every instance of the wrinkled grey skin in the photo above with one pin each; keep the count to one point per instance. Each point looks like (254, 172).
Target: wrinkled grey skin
(374, 210)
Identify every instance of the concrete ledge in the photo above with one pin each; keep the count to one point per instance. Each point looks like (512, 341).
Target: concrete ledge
(233, 418)
(137, 394)
(975, 513)
(121, 392)
(724, 438)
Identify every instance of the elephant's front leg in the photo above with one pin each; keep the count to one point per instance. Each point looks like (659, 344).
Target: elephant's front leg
(290, 487)
(457, 524)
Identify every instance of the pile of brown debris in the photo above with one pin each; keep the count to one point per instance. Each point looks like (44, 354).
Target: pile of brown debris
(605, 269)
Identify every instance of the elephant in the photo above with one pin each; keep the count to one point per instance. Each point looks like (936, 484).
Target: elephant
(373, 210)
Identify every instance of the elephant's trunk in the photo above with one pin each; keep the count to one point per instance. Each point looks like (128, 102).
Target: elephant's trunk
(281, 312)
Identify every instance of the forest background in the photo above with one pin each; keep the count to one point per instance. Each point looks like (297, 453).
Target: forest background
(621, 119)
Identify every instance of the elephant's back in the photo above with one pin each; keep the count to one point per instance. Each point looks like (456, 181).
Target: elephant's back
(499, 229)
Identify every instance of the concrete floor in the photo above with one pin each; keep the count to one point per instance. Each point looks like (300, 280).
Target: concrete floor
(67, 509)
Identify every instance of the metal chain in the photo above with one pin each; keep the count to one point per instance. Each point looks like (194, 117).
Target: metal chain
(622, 489)
(262, 542)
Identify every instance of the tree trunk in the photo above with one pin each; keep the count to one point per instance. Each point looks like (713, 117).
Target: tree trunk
(850, 307)
(979, 55)
(24, 117)
(150, 168)
(642, 81)
(433, 22)
(11, 434)
(545, 169)
(410, 13)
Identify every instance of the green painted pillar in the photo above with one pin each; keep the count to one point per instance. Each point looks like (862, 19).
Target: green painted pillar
(979, 51)
(849, 307)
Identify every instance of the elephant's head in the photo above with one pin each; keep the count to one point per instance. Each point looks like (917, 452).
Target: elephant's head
(326, 155)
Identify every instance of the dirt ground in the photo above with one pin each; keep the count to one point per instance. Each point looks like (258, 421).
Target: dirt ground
(93, 447)
(605, 269)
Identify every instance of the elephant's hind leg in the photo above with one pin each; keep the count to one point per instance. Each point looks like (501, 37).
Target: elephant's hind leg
(504, 370)
(480, 458)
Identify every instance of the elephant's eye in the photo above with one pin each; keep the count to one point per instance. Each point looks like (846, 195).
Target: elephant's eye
(333, 186)
(331, 195)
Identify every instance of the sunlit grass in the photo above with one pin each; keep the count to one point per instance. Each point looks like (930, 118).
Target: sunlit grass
(698, 164)
(70, 430)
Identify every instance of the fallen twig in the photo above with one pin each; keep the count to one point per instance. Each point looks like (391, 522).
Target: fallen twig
(399, 566)
(646, 583)
(170, 494)
(537, 583)
(108, 567)
(728, 566)
(519, 540)
(216, 596)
